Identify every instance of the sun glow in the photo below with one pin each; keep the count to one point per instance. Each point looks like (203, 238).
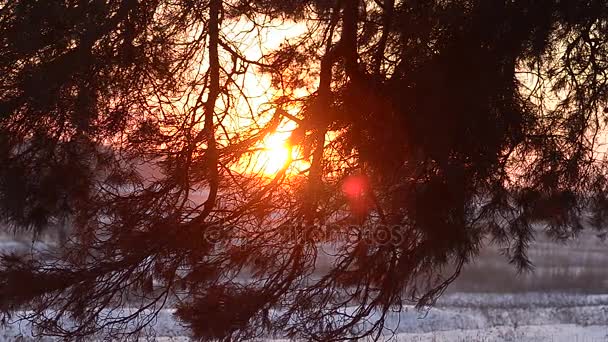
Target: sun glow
(275, 154)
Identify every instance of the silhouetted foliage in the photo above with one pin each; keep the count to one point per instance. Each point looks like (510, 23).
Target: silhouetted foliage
(460, 122)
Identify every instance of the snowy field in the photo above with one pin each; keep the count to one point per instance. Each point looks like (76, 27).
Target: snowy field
(564, 299)
(459, 317)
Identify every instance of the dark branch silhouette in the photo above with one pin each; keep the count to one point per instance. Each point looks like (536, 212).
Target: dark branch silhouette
(423, 129)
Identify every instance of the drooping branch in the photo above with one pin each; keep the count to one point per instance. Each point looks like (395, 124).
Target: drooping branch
(215, 8)
(320, 119)
(431, 137)
(348, 41)
(388, 9)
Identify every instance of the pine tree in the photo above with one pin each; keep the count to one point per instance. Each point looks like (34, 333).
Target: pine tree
(426, 129)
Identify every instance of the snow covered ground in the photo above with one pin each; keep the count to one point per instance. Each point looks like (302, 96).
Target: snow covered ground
(459, 317)
(564, 299)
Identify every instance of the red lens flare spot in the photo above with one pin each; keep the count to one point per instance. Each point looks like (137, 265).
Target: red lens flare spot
(354, 186)
(356, 191)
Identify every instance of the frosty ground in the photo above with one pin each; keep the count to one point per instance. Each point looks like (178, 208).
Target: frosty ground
(564, 299)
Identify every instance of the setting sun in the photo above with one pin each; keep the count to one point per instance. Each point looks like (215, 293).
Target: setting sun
(275, 154)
